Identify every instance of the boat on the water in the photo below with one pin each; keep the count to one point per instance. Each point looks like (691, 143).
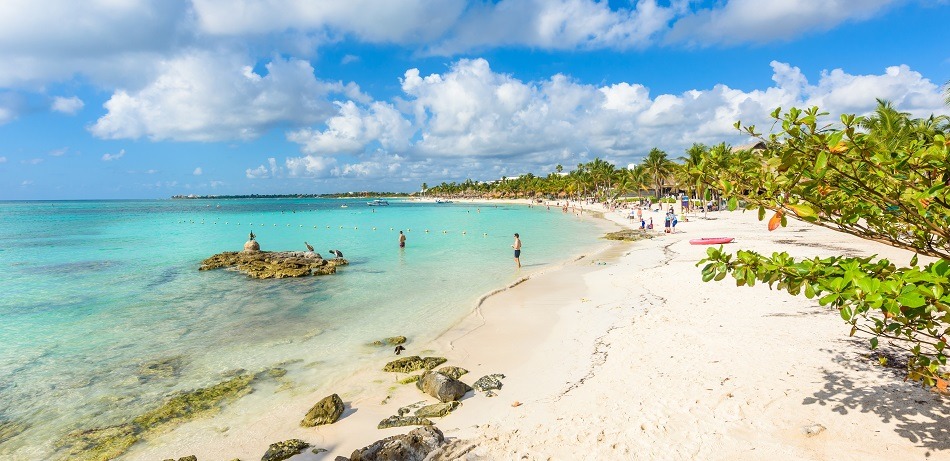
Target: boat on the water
(378, 202)
(711, 240)
(439, 200)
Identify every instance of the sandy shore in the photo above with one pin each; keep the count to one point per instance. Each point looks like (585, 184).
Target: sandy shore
(626, 354)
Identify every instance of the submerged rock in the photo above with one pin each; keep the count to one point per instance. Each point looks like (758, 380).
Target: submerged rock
(414, 446)
(168, 367)
(437, 410)
(409, 379)
(274, 264)
(11, 429)
(326, 411)
(413, 363)
(282, 450)
(453, 372)
(398, 421)
(488, 382)
(98, 444)
(191, 404)
(442, 387)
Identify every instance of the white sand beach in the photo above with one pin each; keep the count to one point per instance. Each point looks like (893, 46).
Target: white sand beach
(627, 354)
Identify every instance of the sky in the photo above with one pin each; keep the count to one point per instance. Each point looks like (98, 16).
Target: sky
(113, 99)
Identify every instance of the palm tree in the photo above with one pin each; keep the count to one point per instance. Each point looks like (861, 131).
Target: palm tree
(658, 167)
(424, 188)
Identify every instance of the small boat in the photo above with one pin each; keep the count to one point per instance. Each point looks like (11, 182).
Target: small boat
(378, 202)
(343, 206)
(711, 241)
(439, 200)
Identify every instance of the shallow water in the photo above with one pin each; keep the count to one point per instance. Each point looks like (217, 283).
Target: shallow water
(91, 290)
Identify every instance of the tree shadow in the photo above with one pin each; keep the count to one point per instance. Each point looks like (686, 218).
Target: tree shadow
(920, 415)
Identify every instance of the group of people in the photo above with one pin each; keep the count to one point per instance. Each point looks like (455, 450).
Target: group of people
(669, 222)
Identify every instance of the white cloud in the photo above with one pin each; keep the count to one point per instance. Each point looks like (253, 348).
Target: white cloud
(349, 58)
(110, 40)
(26, 182)
(32, 161)
(197, 171)
(738, 21)
(151, 171)
(472, 121)
(68, 106)
(110, 157)
(59, 152)
(355, 128)
(557, 24)
(203, 96)
(3, 160)
(256, 173)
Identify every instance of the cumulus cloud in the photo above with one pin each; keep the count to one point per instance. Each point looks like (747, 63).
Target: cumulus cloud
(59, 152)
(107, 157)
(349, 58)
(31, 161)
(68, 106)
(197, 171)
(473, 121)
(759, 21)
(204, 96)
(109, 40)
(3, 160)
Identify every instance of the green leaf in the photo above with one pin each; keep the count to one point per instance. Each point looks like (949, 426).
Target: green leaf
(761, 212)
(913, 261)
(821, 163)
(804, 211)
(873, 343)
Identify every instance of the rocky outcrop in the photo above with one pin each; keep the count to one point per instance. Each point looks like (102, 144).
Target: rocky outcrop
(391, 341)
(165, 368)
(442, 387)
(414, 446)
(274, 264)
(488, 382)
(326, 411)
(453, 372)
(413, 363)
(629, 235)
(184, 458)
(282, 450)
(437, 410)
(403, 420)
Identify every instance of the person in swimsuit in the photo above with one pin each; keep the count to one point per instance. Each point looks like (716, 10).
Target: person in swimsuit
(402, 240)
(517, 247)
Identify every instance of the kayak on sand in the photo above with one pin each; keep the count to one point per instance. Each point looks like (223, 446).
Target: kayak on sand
(711, 240)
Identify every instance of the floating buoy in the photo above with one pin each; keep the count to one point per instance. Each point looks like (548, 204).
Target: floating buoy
(341, 227)
(463, 232)
(374, 228)
(227, 222)
(328, 227)
(427, 231)
(355, 228)
(314, 227)
(390, 228)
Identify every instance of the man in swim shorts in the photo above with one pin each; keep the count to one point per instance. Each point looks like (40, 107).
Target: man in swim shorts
(517, 247)
(402, 240)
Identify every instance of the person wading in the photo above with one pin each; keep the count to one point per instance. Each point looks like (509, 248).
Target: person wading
(517, 247)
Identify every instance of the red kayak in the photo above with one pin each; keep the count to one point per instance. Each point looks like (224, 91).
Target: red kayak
(711, 241)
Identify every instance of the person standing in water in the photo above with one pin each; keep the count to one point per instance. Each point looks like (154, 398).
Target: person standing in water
(402, 240)
(517, 247)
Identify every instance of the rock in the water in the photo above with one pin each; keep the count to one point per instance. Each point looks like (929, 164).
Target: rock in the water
(100, 443)
(251, 246)
(414, 446)
(391, 341)
(397, 421)
(488, 382)
(11, 429)
(326, 411)
(442, 387)
(437, 410)
(413, 363)
(409, 379)
(188, 458)
(274, 264)
(453, 372)
(282, 450)
(169, 367)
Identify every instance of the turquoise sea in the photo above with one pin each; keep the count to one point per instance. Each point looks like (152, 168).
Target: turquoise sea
(92, 290)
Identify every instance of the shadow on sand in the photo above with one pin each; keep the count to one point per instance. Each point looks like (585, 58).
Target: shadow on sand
(920, 415)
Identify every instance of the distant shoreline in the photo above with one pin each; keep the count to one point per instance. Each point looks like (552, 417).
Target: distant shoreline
(268, 196)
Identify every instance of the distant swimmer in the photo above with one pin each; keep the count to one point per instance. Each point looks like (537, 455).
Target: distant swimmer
(402, 240)
(309, 248)
(337, 253)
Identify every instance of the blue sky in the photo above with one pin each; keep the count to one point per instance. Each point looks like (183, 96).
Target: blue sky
(140, 99)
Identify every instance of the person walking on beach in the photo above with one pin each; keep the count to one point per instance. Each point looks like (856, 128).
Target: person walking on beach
(402, 240)
(517, 247)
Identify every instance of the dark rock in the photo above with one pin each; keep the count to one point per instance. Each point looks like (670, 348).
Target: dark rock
(396, 340)
(326, 411)
(488, 382)
(397, 421)
(282, 450)
(413, 363)
(188, 458)
(442, 387)
(273, 264)
(452, 372)
(414, 446)
(437, 410)
(629, 235)
(100, 443)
